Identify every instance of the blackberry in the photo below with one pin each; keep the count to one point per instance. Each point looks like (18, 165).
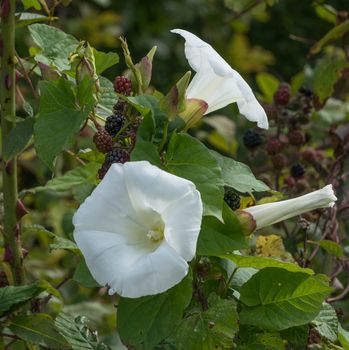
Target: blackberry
(274, 146)
(232, 199)
(120, 107)
(296, 137)
(252, 139)
(305, 91)
(117, 155)
(279, 161)
(297, 170)
(122, 85)
(103, 170)
(114, 123)
(282, 95)
(103, 140)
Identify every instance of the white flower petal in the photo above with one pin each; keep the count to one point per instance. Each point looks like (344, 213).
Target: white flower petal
(229, 85)
(153, 273)
(149, 186)
(182, 230)
(271, 213)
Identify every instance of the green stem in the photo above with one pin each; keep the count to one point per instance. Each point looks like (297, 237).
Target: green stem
(8, 120)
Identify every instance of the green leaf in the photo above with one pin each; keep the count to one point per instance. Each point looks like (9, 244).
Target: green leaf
(217, 238)
(56, 45)
(326, 74)
(107, 97)
(277, 299)
(150, 319)
(18, 138)
(13, 297)
(26, 18)
(259, 262)
(77, 333)
(343, 337)
(189, 158)
(330, 247)
(104, 60)
(91, 155)
(31, 3)
(238, 175)
(268, 84)
(38, 329)
(64, 243)
(83, 275)
(326, 322)
(145, 150)
(335, 33)
(77, 176)
(59, 119)
(214, 328)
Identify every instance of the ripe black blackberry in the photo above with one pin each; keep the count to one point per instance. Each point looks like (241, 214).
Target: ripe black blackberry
(114, 123)
(252, 139)
(122, 85)
(297, 170)
(103, 140)
(305, 91)
(232, 198)
(117, 155)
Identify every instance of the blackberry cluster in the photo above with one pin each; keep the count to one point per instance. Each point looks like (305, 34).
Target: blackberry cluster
(114, 123)
(122, 85)
(232, 198)
(282, 95)
(117, 155)
(297, 170)
(252, 139)
(103, 140)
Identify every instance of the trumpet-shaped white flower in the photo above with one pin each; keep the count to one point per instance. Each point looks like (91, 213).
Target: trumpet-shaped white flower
(216, 82)
(138, 229)
(271, 213)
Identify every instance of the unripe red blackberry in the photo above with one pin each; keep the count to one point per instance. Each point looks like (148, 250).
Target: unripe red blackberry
(103, 141)
(297, 170)
(103, 170)
(231, 198)
(252, 139)
(296, 137)
(274, 146)
(290, 182)
(114, 123)
(117, 155)
(122, 85)
(279, 161)
(120, 107)
(282, 95)
(309, 155)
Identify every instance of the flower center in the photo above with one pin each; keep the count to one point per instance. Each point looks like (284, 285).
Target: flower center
(155, 235)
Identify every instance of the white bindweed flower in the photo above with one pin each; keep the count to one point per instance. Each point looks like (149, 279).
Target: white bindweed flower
(138, 229)
(217, 83)
(271, 213)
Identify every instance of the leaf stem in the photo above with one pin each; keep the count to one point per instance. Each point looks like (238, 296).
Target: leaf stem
(11, 230)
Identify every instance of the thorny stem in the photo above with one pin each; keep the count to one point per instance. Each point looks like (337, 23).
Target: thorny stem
(11, 231)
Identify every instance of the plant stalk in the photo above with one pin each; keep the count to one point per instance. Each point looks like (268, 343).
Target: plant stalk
(11, 229)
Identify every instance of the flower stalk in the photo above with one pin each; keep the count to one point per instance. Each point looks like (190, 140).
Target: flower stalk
(8, 120)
